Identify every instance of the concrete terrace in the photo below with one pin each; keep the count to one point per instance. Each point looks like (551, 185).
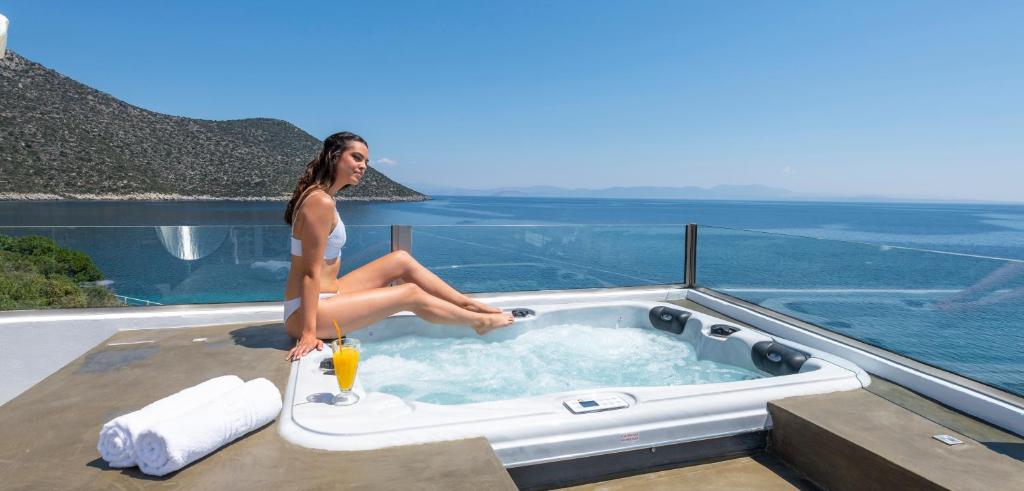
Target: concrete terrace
(865, 439)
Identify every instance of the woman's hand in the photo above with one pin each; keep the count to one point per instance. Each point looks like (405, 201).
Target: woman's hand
(306, 344)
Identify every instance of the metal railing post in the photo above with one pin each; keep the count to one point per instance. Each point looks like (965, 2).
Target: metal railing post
(401, 240)
(690, 261)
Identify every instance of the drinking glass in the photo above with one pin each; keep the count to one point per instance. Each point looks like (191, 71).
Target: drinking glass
(346, 361)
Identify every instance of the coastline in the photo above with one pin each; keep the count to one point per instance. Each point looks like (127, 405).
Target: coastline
(179, 197)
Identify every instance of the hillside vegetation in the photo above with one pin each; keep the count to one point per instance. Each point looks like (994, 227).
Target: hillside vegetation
(62, 139)
(36, 273)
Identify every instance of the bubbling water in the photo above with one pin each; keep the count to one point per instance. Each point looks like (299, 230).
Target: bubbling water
(541, 361)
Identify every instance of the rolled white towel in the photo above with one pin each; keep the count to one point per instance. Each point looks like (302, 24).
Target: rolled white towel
(119, 436)
(183, 439)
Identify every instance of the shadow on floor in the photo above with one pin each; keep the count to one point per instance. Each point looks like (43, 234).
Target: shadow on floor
(784, 471)
(1009, 449)
(268, 336)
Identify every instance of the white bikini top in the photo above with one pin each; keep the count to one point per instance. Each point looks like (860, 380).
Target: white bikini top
(335, 241)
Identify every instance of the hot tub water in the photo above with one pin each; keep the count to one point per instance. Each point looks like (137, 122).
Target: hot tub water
(540, 361)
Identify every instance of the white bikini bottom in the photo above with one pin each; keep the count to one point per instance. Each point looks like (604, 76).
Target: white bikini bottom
(291, 305)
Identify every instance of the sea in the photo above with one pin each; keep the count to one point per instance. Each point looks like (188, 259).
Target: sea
(942, 283)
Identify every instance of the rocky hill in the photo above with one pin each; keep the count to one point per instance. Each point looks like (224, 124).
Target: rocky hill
(62, 139)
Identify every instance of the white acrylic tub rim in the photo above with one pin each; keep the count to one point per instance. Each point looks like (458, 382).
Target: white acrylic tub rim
(538, 429)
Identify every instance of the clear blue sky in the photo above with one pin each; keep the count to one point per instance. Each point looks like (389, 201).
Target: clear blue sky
(901, 98)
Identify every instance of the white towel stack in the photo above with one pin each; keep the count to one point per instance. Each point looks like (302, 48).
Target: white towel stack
(190, 436)
(182, 428)
(119, 436)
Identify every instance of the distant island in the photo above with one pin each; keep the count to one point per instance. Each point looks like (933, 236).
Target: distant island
(60, 139)
(728, 192)
(628, 192)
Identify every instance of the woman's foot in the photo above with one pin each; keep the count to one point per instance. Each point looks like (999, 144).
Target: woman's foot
(478, 306)
(489, 322)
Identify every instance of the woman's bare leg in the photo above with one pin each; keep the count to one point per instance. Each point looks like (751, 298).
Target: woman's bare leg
(400, 265)
(356, 310)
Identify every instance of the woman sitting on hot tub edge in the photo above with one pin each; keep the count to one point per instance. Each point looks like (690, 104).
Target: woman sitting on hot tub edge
(315, 296)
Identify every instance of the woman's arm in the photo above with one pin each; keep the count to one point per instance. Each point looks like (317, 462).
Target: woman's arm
(317, 216)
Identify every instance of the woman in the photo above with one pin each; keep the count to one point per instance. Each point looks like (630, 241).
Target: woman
(315, 296)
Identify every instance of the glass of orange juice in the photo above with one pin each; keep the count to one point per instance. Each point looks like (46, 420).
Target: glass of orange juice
(346, 361)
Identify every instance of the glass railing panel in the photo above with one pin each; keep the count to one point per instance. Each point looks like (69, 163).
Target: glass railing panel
(960, 313)
(525, 258)
(218, 264)
(182, 264)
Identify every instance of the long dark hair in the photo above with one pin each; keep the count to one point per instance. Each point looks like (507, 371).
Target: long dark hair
(319, 172)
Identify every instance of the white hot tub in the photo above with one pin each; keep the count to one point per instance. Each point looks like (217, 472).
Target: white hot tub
(568, 424)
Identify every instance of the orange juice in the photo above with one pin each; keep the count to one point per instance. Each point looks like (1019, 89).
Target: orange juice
(346, 360)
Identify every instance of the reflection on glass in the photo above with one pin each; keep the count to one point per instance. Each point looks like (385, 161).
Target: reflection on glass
(956, 312)
(1003, 285)
(191, 243)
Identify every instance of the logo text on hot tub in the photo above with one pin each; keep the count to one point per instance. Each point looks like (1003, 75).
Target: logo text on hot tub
(629, 437)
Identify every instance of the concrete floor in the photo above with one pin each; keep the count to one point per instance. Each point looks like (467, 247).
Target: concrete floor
(758, 472)
(49, 432)
(872, 443)
(993, 438)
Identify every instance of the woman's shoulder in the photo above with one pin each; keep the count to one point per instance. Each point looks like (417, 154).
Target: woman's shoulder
(317, 205)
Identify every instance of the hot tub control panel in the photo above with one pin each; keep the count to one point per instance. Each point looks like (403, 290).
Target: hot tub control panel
(595, 404)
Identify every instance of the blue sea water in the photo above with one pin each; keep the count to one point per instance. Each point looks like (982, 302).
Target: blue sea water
(986, 229)
(851, 267)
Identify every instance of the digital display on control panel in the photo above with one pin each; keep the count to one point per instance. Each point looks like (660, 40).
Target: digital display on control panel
(588, 404)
